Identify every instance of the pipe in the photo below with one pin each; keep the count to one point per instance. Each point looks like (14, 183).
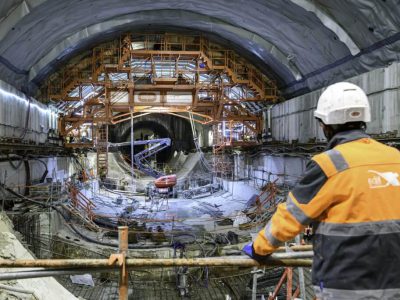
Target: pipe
(17, 290)
(15, 167)
(277, 259)
(123, 250)
(279, 285)
(49, 273)
(280, 249)
(28, 181)
(181, 262)
(301, 285)
(132, 152)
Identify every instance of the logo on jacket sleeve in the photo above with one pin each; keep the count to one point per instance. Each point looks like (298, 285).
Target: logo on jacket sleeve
(383, 179)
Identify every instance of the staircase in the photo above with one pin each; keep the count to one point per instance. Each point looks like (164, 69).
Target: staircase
(81, 207)
(126, 53)
(76, 213)
(219, 143)
(102, 150)
(221, 163)
(254, 80)
(71, 78)
(141, 158)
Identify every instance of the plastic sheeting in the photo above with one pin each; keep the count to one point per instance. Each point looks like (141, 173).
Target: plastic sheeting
(7, 6)
(24, 118)
(84, 279)
(304, 46)
(294, 119)
(253, 47)
(284, 169)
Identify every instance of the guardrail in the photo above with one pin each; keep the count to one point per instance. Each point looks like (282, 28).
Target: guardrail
(300, 257)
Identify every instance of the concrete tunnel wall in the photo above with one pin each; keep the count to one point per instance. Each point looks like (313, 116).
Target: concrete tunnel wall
(291, 120)
(294, 119)
(14, 174)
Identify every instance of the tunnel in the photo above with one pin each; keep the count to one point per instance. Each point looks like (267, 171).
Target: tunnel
(241, 184)
(154, 127)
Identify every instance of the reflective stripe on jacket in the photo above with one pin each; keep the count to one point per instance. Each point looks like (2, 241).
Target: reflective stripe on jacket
(351, 195)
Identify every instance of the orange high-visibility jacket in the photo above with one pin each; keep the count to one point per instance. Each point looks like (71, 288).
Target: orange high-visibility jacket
(351, 196)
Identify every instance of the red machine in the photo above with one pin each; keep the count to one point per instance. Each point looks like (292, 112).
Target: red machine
(165, 181)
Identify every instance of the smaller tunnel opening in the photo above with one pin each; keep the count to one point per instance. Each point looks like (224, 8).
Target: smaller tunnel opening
(148, 130)
(155, 127)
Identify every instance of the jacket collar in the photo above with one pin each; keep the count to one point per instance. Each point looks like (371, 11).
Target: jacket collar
(345, 137)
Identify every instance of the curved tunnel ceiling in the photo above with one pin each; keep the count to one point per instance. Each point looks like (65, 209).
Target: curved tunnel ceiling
(302, 44)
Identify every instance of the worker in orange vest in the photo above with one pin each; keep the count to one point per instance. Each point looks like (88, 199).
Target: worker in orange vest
(351, 195)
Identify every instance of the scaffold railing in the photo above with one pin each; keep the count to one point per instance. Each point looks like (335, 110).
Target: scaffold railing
(300, 256)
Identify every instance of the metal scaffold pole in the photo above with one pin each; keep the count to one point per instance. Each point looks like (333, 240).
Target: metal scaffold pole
(301, 276)
(132, 153)
(295, 259)
(123, 274)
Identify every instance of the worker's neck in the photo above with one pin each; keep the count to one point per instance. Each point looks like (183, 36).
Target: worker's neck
(346, 136)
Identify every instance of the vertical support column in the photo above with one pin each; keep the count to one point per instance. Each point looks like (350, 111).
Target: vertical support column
(130, 92)
(132, 151)
(254, 288)
(107, 103)
(123, 274)
(302, 286)
(102, 150)
(4, 183)
(131, 110)
(256, 274)
(289, 283)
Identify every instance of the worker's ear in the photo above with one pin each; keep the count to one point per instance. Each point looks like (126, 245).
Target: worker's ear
(328, 131)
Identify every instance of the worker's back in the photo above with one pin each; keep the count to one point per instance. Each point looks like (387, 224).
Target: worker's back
(357, 238)
(351, 195)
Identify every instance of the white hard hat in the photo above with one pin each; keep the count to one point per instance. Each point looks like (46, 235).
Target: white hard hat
(343, 102)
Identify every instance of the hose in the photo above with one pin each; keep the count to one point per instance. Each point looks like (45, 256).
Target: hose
(15, 167)
(48, 273)
(46, 171)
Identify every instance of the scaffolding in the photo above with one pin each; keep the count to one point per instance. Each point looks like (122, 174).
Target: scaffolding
(120, 263)
(102, 150)
(134, 267)
(162, 73)
(223, 164)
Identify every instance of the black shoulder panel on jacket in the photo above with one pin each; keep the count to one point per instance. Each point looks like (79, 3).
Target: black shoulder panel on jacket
(313, 180)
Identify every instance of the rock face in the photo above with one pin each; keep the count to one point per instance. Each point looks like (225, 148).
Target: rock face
(36, 288)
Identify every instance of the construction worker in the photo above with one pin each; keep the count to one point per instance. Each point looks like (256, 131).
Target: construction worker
(351, 195)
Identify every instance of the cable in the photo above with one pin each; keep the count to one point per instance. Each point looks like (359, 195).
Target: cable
(46, 171)
(15, 167)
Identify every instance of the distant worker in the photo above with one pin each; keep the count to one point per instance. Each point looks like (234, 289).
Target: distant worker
(350, 194)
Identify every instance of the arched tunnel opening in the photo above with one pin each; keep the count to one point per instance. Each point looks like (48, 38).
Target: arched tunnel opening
(155, 126)
(159, 69)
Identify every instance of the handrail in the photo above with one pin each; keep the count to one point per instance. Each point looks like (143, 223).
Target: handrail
(239, 70)
(119, 262)
(296, 259)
